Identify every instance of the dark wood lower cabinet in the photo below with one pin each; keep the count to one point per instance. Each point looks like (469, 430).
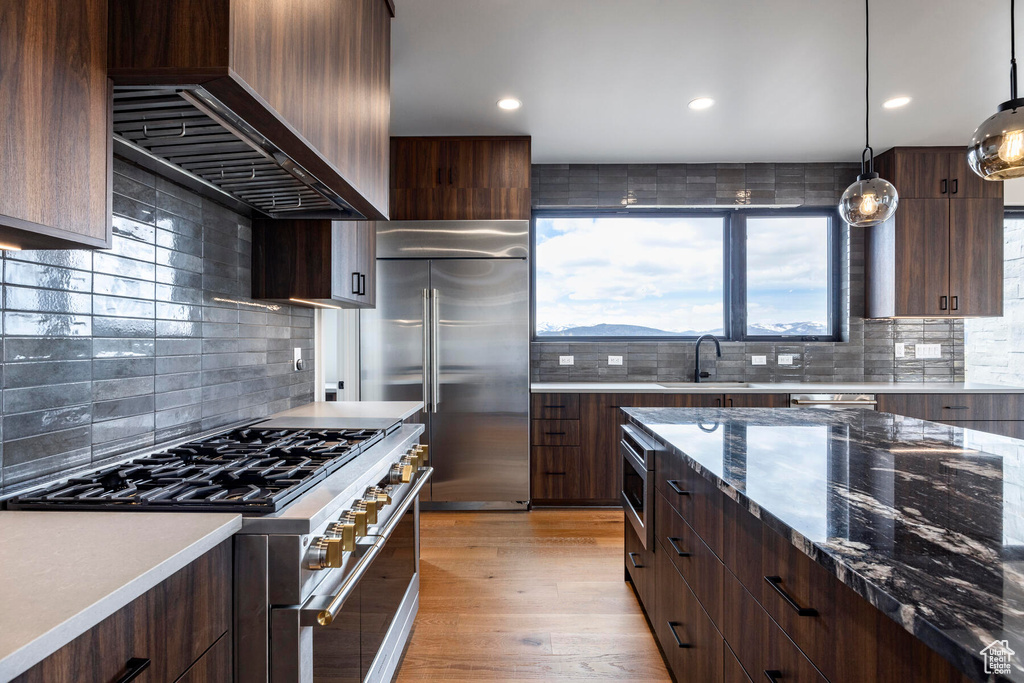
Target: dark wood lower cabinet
(556, 474)
(639, 566)
(732, 671)
(689, 639)
(182, 626)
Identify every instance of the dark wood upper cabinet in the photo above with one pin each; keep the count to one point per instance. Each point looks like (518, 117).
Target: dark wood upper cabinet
(55, 154)
(312, 78)
(468, 178)
(317, 263)
(941, 255)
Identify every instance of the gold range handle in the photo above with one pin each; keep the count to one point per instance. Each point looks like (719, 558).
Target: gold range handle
(312, 615)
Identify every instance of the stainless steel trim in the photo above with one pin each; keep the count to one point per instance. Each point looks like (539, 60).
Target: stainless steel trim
(315, 612)
(453, 239)
(426, 351)
(849, 400)
(435, 361)
(389, 656)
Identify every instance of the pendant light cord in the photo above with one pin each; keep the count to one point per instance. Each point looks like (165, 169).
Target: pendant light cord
(868, 166)
(1013, 54)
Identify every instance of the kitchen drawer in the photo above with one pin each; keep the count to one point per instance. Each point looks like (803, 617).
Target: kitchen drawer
(801, 598)
(741, 548)
(555, 406)
(989, 407)
(696, 499)
(556, 432)
(732, 671)
(212, 667)
(690, 556)
(556, 473)
(640, 567)
(1011, 428)
(692, 644)
(758, 643)
(172, 625)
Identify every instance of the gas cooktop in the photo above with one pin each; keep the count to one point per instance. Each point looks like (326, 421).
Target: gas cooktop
(249, 470)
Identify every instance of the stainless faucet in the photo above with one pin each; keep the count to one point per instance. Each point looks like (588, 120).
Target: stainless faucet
(697, 374)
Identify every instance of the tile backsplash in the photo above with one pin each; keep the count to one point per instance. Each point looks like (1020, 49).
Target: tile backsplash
(109, 351)
(867, 352)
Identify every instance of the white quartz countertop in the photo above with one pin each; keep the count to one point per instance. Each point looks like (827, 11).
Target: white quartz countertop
(61, 573)
(768, 388)
(345, 415)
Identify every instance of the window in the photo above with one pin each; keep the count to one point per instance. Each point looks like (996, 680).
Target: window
(735, 274)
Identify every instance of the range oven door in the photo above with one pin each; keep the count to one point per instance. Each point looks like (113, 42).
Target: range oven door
(637, 483)
(354, 628)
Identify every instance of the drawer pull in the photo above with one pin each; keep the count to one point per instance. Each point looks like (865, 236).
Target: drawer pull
(555, 474)
(956, 407)
(554, 433)
(672, 542)
(135, 667)
(632, 558)
(674, 485)
(562, 407)
(775, 582)
(773, 675)
(672, 627)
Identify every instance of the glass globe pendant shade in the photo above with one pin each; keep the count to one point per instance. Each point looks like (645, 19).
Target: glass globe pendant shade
(869, 201)
(996, 151)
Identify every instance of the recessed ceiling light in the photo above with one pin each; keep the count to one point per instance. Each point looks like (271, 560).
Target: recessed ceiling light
(701, 103)
(509, 103)
(896, 102)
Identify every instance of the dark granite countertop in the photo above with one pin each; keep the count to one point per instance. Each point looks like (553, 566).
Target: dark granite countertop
(925, 521)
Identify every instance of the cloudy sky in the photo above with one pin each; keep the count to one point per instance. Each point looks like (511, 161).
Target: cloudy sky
(666, 273)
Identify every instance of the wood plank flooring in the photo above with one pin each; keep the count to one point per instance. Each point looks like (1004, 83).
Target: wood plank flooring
(527, 596)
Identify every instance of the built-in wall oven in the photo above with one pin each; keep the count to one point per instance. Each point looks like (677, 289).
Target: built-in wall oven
(637, 454)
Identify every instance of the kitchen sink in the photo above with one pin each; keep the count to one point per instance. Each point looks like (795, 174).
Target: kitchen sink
(695, 385)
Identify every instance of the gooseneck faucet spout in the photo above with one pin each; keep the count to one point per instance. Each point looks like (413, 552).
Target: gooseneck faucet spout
(697, 374)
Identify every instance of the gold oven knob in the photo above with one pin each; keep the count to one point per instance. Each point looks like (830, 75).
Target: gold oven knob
(401, 472)
(358, 519)
(326, 553)
(369, 507)
(346, 531)
(423, 452)
(378, 494)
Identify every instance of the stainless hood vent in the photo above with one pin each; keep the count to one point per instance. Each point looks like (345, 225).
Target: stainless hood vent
(187, 135)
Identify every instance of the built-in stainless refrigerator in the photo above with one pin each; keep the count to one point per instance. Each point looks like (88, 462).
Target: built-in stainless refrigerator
(451, 328)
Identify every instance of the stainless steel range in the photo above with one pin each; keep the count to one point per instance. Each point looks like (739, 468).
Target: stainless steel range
(327, 561)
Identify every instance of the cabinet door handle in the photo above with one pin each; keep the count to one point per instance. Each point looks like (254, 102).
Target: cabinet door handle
(775, 582)
(672, 627)
(729, 402)
(632, 558)
(944, 186)
(555, 474)
(451, 176)
(556, 406)
(554, 433)
(956, 407)
(134, 667)
(773, 675)
(943, 303)
(362, 284)
(956, 185)
(718, 403)
(439, 180)
(355, 283)
(674, 485)
(672, 542)
(956, 303)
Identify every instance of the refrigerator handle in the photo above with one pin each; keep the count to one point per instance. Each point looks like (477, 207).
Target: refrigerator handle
(426, 350)
(435, 321)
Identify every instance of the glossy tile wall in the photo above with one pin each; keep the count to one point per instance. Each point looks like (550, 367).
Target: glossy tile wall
(867, 352)
(106, 352)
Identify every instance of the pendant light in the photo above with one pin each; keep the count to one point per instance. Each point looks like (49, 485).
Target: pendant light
(997, 148)
(870, 200)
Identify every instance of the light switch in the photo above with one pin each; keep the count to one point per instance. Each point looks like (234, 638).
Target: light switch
(759, 360)
(928, 350)
(901, 350)
(565, 360)
(785, 359)
(614, 360)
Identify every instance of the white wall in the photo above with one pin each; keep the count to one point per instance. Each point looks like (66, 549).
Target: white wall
(994, 347)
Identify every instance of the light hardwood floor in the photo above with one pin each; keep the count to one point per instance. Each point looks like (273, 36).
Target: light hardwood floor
(528, 596)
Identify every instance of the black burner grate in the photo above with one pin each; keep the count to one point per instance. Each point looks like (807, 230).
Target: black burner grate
(250, 470)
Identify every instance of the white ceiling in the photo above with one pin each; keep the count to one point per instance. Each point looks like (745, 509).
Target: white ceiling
(608, 80)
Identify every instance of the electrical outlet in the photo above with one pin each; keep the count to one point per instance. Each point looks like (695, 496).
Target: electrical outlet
(614, 360)
(901, 350)
(785, 359)
(565, 360)
(759, 360)
(928, 351)
(297, 360)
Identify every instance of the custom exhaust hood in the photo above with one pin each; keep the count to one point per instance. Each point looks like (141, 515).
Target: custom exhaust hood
(186, 134)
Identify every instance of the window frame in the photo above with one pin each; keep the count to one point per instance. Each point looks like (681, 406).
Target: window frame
(734, 255)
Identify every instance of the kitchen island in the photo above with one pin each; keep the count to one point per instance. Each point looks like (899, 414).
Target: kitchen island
(836, 542)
